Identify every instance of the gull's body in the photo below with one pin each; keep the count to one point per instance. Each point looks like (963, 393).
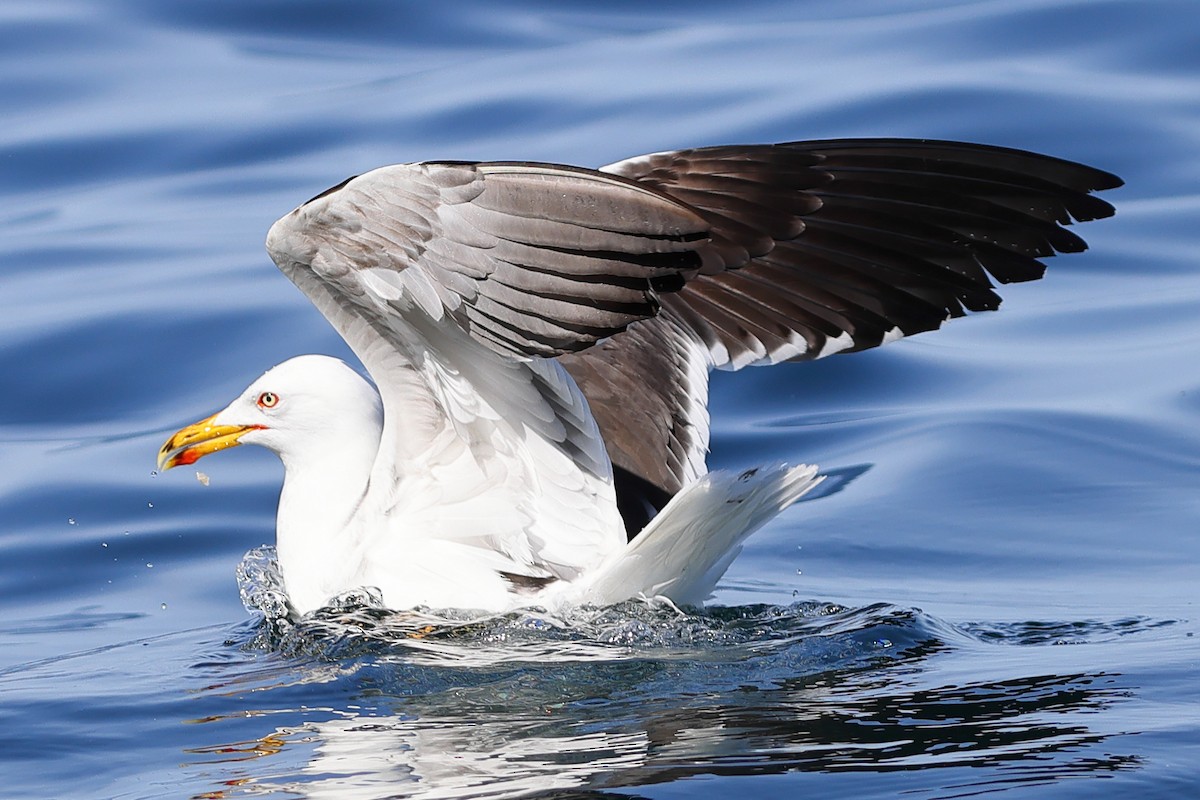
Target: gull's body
(541, 337)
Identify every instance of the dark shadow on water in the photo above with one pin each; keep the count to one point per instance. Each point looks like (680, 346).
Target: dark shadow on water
(835, 481)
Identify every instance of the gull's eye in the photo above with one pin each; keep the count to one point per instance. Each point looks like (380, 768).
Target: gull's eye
(268, 400)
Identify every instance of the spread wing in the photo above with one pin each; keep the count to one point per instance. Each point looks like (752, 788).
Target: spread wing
(818, 248)
(454, 283)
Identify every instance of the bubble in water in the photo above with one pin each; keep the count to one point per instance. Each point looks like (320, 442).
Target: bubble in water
(104, 544)
(149, 505)
(153, 473)
(70, 520)
(149, 565)
(163, 606)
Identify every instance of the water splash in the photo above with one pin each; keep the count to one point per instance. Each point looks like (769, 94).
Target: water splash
(755, 644)
(803, 636)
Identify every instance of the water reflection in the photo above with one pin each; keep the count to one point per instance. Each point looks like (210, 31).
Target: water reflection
(851, 693)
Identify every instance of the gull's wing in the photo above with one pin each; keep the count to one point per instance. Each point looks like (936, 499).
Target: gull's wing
(819, 248)
(447, 280)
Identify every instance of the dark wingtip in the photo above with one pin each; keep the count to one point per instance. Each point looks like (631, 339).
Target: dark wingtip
(1106, 181)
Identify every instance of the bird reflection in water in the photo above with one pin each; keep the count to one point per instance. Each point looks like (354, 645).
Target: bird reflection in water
(804, 688)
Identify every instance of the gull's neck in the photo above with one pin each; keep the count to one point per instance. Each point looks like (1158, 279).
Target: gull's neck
(325, 480)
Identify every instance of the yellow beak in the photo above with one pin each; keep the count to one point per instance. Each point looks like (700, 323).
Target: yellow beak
(188, 445)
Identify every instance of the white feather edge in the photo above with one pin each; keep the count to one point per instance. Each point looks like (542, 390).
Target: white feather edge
(686, 549)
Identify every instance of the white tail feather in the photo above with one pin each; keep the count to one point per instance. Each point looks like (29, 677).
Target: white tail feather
(686, 549)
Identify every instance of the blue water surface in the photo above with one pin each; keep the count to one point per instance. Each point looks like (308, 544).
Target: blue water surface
(1002, 603)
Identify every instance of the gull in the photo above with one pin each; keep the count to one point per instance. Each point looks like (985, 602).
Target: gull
(540, 338)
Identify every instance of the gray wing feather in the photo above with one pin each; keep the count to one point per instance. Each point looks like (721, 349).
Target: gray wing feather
(648, 390)
(529, 259)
